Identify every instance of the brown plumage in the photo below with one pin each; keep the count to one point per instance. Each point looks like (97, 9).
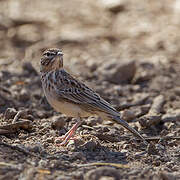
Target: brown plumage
(71, 97)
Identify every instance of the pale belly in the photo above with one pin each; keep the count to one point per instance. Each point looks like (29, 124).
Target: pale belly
(71, 110)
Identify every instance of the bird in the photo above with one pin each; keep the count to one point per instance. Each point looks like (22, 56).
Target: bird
(71, 97)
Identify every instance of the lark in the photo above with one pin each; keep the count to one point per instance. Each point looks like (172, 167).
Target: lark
(73, 98)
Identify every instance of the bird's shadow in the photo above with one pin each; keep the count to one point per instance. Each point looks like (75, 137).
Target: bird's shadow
(98, 154)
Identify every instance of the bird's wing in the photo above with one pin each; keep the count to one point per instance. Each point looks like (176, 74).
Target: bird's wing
(75, 91)
(68, 88)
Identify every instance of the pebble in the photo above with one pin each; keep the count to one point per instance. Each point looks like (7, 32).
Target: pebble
(118, 72)
(58, 122)
(172, 117)
(90, 146)
(50, 140)
(128, 115)
(103, 173)
(91, 65)
(177, 91)
(114, 6)
(24, 95)
(43, 163)
(27, 66)
(10, 113)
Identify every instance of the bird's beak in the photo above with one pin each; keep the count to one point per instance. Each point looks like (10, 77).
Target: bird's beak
(60, 54)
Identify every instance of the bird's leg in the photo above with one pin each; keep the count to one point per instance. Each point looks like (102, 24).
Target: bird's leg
(69, 134)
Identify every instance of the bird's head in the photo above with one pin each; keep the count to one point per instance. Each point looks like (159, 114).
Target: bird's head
(52, 59)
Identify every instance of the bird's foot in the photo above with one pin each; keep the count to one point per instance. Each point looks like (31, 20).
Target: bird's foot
(68, 136)
(63, 140)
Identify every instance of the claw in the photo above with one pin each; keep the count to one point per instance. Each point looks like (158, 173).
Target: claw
(68, 136)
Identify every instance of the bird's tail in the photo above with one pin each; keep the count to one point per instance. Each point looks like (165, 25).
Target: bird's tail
(118, 120)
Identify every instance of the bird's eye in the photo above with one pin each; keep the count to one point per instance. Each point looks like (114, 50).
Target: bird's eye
(48, 54)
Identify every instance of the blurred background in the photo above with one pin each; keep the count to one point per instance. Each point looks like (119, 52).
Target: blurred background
(91, 31)
(126, 50)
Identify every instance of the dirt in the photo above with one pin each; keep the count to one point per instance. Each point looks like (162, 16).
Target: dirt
(128, 52)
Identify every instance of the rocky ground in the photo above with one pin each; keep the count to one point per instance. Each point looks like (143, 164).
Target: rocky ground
(128, 51)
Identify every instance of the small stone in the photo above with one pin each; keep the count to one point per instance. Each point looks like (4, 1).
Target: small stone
(30, 117)
(45, 144)
(78, 155)
(24, 95)
(118, 72)
(92, 121)
(136, 88)
(10, 113)
(167, 176)
(175, 168)
(152, 150)
(140, 98)
(91, 65)
(172, 117)
(149, 120)
(38, 148)
(103, 172)
(128, 115)
(159, 147)
(42, 114)
(58, 122)
(43, 163)
(2, 101)
(118, 89)
(37, 96)
(44, 125)
(29, 33)
(61, 177)
(29, 69)
(17, 141)
(62, 132)
(177, 91)
(173, 143)
(50, 140)
(138, 155)
(114, 6)
(156, 163)
(145, 108)
(124, 151)
(157, 105)
(90, 146)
